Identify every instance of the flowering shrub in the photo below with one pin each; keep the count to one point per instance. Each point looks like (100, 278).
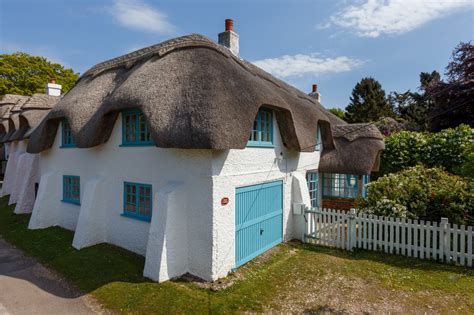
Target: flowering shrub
(421, 193)
(448, 148)
(388, 208)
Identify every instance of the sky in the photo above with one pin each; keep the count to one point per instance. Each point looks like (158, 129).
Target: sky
(330, 43)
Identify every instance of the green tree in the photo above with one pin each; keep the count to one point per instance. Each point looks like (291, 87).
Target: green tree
(338, 112)
(23, 74)
(368, 102)
(454, 98)
(412, 107)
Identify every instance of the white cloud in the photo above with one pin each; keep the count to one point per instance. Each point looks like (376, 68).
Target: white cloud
(372, 18)
(312, 64)
(138, 15)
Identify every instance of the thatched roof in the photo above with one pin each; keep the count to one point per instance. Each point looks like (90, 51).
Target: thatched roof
(194, 93)
(358, 148)
(21, 114)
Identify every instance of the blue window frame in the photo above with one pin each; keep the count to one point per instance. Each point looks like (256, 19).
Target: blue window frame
(67, 140)
(312, 179)
(72, 189)
(340, 185)
(135, 129)
(262, 131)
(319, 144)
(365, 190)
(137, 201)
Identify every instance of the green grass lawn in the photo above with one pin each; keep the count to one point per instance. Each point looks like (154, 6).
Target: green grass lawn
(292, 278)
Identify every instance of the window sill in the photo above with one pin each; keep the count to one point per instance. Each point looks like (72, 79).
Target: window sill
(338, 197)
(136, 145)
(136, 217)
(74, 202)
(260, 145)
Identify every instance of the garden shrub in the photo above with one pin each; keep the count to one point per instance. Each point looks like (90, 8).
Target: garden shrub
(448, 148)
(421, 193)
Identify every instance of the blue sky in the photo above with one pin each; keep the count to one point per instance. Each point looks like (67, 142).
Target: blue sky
(331, 43)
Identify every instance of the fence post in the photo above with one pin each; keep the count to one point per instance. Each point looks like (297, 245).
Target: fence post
(351, 230)
(444, 241)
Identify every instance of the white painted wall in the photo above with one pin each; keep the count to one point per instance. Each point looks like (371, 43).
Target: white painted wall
(106, 167)
(190, 230)
(16, 149)
(239, 168)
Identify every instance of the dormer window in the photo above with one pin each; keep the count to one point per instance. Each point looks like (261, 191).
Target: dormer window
(262, 132)
(319, 144)
(67, 140)
(135, 129)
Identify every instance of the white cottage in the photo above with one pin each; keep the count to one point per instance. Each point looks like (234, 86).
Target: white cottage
(188, 155)
(20, 115)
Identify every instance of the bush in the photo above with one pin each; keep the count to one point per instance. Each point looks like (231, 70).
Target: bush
(421, 193)
(448, 148)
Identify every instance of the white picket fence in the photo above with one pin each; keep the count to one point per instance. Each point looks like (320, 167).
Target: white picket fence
(443, 242)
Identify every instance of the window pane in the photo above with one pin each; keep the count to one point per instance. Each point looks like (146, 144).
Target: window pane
(262, 127)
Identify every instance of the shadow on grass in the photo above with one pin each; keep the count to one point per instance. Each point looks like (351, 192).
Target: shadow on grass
(88, 269)
(388, 259)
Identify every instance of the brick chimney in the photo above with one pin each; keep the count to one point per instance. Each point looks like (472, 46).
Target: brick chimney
(229, 38)
(315, 94)
(53, 89)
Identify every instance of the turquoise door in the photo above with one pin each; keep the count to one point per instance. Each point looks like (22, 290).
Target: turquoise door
(259, 220)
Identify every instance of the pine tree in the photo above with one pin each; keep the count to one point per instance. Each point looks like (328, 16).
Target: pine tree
(368, 102)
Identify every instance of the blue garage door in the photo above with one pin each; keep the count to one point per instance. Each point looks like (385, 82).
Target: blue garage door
(259, 220)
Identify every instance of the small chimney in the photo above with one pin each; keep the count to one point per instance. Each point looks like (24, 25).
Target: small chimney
(53, 89)
(229, 38)
(315, 94)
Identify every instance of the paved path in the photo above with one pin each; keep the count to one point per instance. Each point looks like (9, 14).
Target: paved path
(26, 287)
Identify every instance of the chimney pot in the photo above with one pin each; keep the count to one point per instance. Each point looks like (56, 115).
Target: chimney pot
(315, 94)
(229, 38)
(53, 89)
(229, 25)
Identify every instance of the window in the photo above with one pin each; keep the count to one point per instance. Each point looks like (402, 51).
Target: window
(262, 131)
(313, 181)
(137, 201)
(72, 189)
(365, 190)
(135, 129)
(67, 140)
(340, 185)
(319, 143)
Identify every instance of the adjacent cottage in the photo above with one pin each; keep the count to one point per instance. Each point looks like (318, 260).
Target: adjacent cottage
(20, 116)
(190, 156)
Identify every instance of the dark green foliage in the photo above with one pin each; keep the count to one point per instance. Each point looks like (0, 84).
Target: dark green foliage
(23, 74)
(368, 102)
(448, 148)
(422, 193)
(454, 99)
(338, 112)
(412, 107)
